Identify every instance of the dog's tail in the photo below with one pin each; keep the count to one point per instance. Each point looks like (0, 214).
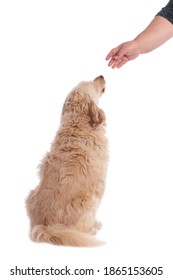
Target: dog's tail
(62, 235)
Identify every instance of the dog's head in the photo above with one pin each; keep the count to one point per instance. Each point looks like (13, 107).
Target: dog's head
(83, 99)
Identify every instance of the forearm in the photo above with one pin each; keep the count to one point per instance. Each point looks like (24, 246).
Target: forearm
(157, 33)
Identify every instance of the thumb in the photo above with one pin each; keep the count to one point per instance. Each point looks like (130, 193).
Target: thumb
(120, 53)
(112, 53)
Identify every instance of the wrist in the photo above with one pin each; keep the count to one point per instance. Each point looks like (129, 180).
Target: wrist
(139, 45)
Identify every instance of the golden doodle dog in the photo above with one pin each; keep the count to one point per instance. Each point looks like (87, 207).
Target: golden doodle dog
(62, 209)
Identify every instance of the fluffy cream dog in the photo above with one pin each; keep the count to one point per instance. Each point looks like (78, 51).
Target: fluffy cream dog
(62, 208)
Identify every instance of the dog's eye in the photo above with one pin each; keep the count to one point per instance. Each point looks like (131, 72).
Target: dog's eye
(103, 90)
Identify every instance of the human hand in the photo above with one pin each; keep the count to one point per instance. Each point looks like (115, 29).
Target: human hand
(122, 54)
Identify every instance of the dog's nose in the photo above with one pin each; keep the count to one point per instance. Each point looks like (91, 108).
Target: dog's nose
(101, 77)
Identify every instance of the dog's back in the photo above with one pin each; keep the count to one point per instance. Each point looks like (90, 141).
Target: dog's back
(62, 208)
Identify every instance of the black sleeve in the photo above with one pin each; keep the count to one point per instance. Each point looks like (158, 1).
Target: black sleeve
(167, 11)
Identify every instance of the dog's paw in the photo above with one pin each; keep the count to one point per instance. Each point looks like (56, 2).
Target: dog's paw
(98, 225)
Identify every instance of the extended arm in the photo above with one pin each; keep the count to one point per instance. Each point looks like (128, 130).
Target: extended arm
(157, 33)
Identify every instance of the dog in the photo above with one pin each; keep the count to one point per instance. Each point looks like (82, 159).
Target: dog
(62, 208)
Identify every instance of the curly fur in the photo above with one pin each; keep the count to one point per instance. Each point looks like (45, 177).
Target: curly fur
(63, 206)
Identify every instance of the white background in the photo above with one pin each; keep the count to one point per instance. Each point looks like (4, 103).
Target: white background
(46, 48)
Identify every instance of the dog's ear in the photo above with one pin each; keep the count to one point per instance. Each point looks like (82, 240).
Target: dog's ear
(68, 104)
(97, 116)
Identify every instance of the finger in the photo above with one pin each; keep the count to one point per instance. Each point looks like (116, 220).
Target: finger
(121, 64)
(121, 54)
(122, 61)
(116, 63)
(111, 53)
(111, 61)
